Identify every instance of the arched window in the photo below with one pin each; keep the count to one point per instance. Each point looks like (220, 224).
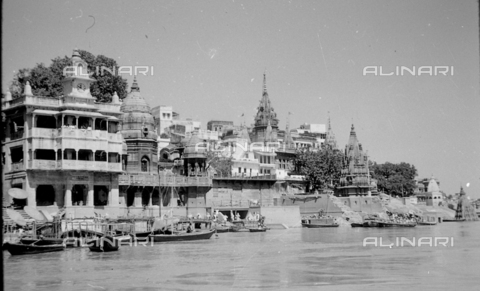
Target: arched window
(145, 164)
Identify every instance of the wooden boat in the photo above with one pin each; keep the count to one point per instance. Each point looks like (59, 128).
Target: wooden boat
(309, 225)
(263, 229)
(395, 224)
(319, 222)
(42, 241)
(182, 236)
(27, 249)
(368, 223)
(223, 229)
(454, 220)
(426, 223)
(104, 244)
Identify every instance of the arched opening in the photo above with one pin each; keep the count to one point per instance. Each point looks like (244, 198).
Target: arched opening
(85, 122)
(44, 121)
(70, 120)
(100, 156)
(100, 124)
(131, 196)
(146, 195)
(112, 127)
(85, 155)
(145, 164)
(113, 158)
(100, 195)
(156, 197)
(79, 195)
(45, 195)
(69, 154)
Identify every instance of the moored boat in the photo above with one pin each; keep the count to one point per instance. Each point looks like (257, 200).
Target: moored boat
(319, 222)
(223, 229)
(182, 236)
(262, 229)
(396, 224)
(42, 241)
(309, 225)
(454, 220)
(27, 249)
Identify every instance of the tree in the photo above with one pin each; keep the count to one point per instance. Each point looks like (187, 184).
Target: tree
(47, 81)
(220, 163)
(395, 179)
(319, 167)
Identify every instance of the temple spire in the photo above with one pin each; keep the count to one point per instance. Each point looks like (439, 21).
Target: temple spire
(135, 87)
(265, 81)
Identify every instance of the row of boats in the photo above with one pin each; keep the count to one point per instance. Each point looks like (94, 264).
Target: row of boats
(111, 241)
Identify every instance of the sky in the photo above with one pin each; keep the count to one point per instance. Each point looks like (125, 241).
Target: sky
(209, 57)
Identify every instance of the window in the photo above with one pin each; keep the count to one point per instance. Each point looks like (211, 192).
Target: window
(145, 164)
(17, 154)
(239, 170)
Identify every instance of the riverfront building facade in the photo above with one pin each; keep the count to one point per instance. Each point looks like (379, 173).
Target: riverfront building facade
(65, 152)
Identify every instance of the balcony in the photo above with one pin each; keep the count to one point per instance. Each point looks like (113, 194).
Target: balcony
(42, 165)
(74, 165)
(140, 179)
(17, 167)
(176, 180)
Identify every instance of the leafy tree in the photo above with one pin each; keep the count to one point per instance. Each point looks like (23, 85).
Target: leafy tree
(221, 163)
(395, 179)
(320, 168)
(47, 81)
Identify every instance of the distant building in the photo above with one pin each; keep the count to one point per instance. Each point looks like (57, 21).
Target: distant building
(430, 195)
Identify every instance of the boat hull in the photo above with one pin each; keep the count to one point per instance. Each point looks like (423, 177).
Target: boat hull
(258, 229)
(42, 242)
(308, 225)
(453, 220)
(390, 224)
(182, 236)
(23, 249)
(104, 244)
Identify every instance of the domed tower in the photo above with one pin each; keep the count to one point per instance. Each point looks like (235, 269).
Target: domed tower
(266, 122)
(139, 132)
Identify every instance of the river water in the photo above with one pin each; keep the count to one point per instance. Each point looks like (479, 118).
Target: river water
(293, 259)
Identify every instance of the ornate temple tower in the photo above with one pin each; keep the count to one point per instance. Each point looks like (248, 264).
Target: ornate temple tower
(355, 176)
(266, 123)
(330, 138)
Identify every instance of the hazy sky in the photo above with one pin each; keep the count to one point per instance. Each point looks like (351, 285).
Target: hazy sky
(209, 58)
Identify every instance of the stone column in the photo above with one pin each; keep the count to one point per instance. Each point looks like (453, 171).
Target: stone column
(138, 197)
(68, 196)
(113, 199)
(31, 199)
(150, 197)
(90, 195)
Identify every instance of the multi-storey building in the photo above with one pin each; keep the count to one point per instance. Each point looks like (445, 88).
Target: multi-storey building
(66, 151)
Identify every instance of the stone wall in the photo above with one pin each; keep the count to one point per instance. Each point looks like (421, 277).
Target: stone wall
(288, 216)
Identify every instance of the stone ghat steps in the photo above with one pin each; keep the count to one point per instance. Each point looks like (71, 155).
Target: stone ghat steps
(6, 219)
